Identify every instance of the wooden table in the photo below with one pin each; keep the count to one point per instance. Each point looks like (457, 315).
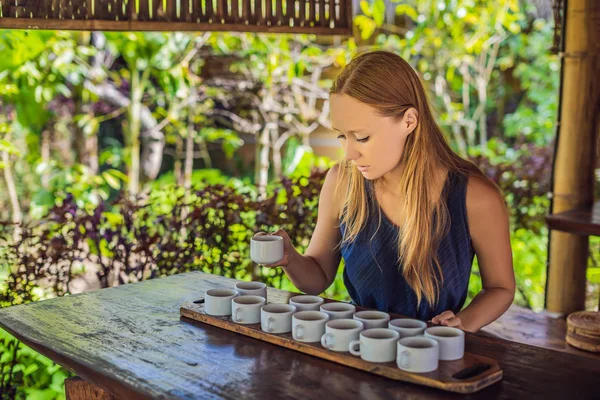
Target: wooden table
(544, 329)
(131, 342)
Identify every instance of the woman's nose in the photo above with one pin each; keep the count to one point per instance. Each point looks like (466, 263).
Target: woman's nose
(350, 151)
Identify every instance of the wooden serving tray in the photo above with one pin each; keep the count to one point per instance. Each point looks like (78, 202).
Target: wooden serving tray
(467, 375)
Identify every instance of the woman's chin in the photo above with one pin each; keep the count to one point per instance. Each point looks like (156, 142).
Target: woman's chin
(369, 175)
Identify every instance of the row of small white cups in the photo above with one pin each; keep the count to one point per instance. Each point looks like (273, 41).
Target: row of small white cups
(339, 328)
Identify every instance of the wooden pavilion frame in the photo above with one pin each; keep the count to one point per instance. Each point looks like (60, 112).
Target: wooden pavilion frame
(323, 17)
(574, 214)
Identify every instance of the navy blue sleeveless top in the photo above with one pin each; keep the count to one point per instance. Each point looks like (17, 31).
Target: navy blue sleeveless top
(372, 273)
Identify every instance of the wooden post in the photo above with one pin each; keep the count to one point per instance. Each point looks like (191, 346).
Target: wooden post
(575, 159)
(78, 389)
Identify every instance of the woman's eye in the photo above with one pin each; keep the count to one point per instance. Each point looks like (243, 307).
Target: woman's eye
(363, 140)
(341, 137)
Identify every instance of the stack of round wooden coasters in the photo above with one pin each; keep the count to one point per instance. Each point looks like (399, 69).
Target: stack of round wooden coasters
(583, 330)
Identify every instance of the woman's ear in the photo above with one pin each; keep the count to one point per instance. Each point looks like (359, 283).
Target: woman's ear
(410, 120)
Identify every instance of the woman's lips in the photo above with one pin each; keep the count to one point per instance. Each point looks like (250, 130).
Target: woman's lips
(362, 168)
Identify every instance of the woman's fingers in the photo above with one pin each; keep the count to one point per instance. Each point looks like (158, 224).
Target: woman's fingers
(455, 322)
(442, 317)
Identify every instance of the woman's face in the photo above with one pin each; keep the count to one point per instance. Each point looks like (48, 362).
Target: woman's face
(371, 142)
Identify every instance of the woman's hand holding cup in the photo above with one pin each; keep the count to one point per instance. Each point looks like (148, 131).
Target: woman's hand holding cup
(271, 250)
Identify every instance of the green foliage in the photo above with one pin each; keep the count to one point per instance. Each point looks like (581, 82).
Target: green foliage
(477, 59)
(89, 189)
(538, 74)
(593, 275)
(34, 377)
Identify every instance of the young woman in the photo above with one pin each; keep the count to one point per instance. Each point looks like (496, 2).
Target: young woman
(405, 212)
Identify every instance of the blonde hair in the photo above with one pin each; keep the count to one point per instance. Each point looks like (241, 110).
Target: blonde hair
(387, 83)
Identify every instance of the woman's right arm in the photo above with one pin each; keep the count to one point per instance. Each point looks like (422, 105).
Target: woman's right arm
(315, 271)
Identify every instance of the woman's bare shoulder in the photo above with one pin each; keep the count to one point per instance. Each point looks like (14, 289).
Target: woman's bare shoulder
(484, 199)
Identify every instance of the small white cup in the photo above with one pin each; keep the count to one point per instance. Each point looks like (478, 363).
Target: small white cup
(217, 302)
(267, 249)
(451, 341)
(246, 309)
(340, 332)
(306, 302)
(276, 318)
(308, 326)
(407, 326)
(251, 289)
(338, 310)
(372, 319)
(376, 345)
(418, 354)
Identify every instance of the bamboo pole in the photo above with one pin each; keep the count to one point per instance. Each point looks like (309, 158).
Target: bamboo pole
(575, 158)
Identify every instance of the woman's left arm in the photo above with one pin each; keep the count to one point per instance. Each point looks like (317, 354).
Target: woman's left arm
(490, 233)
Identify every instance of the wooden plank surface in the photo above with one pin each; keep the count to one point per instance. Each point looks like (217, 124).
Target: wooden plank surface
(488, 371)
(131, 341)
(582, 221)
(519, 324)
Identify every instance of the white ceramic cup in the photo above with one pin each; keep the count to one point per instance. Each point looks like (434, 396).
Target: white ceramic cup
(340, 332)
(251, 289)
(266, 249)
(418, 354)
(375, 345)
(451, 341)
(246, 309)
(217, 302)
(407, 326)
(306, 302)
(338, 310)
(308, 326)
(276, 318)
(372, 319)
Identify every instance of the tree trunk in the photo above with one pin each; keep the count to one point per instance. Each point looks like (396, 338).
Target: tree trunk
(204, 154)
(17, 216)
(45, 152)
(189, 152)
(276, 150)
(263, 176)
(482, 92)
(460, 141)
(154, 140)
(86, 148)
(91, 151)
(177, 167)
(134, 131)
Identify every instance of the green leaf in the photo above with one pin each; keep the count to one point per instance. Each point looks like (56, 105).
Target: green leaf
(114, 219)
(118, 174)
(366, 8)
(31, 369)
(111, 180)
(409, 11)
(6, 357)
(104, 249)
(36, 394)
(92, 246)
(9, 147)
(379, 12)
(367, 26)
